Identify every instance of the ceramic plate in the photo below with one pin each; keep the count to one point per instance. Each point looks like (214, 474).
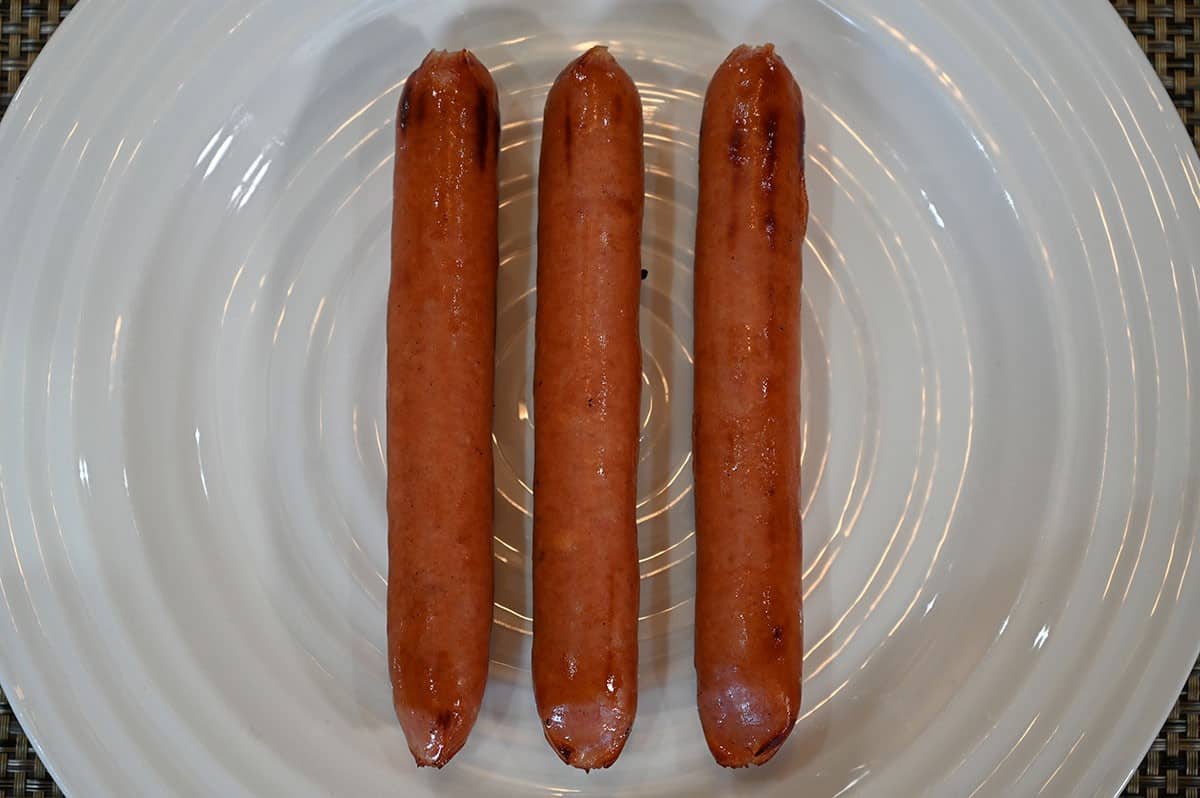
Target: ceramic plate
(1001, 310)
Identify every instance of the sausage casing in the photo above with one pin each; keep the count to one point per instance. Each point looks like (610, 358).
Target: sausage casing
(441, 329)
(753, 214)
(587, 388)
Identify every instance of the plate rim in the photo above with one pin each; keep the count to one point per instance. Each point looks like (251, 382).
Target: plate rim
(1131, 52)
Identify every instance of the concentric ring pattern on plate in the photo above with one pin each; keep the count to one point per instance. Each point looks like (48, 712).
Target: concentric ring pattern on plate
(1000, 318)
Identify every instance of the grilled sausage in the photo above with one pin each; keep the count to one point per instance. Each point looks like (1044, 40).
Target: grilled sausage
(587, 383)
(441, 330)
(749, 232)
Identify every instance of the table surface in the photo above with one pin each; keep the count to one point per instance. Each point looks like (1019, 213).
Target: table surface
(1167, 30)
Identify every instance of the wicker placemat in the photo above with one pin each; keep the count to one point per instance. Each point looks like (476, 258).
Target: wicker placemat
(25, 25)
(1169, 32)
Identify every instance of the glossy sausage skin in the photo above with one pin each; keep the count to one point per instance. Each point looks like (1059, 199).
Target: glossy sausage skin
(441, 330)
(752, 219)
(587, 388)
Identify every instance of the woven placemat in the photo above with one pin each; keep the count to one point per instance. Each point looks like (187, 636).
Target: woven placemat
(1167, 30)
(25, 25)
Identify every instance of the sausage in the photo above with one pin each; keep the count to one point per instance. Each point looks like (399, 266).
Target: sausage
(441, 331)
(587, 384)
(753, 214)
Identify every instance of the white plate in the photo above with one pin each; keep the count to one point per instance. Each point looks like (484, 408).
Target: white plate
(1000, 479)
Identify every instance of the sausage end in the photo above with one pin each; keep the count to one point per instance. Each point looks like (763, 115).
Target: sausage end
(453, 71)
(745, 724)
(432, 739)
(599, 67)
(588, 737)
(758, 71)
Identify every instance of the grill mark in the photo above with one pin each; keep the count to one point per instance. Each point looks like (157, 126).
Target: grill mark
(484, 126)
(405, 102)
(768, 748)
(568, 139)
(770, 129)
(803, 139)
(737, 145)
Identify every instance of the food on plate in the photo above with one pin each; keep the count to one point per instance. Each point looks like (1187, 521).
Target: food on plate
(753, 213)
(441, 329)
(587, 384)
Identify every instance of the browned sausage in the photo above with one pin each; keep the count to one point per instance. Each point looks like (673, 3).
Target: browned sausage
(752, 219)
(441, 331)
(587, 383)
